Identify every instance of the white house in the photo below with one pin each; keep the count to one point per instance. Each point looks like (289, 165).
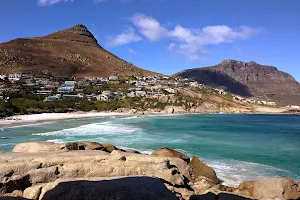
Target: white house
(194, 84)
(271, 103)
(238, 98)
(14, 77)
(53, 98)
(70, 83)
(140, 93)
(2, 76)
(72, 97)
(107, 92)
(296, 107)
(106, 97)
(113, 78)
(65, 89)
(171, 90)
(131, 94)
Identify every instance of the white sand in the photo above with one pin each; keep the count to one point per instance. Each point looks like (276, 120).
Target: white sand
(45, 117)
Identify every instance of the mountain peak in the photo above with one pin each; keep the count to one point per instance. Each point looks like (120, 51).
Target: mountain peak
(77, 33)
(238, 62)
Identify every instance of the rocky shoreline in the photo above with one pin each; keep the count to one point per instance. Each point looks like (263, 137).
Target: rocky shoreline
(90, 170)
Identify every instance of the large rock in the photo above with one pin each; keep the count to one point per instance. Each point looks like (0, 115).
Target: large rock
(167, 152)
(129, 188)
(201, 170)
(31, 147)
(23, 170)
(280, 188)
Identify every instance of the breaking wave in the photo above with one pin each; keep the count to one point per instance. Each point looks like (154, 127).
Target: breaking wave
(104, 128)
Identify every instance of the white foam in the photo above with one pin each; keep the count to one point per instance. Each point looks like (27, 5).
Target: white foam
(232, 172)
(56, 141)
(104, 128)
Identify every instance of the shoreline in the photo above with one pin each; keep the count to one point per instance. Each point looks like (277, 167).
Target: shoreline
(20, 120)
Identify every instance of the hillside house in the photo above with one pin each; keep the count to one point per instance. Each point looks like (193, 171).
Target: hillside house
(14, 77)
(43, 92)
(70, 83)
(107, 92)
(113, 78)
(104, 97)
(53, 98)
(140, 93)
(51, 85)
(271, 103)
(81, 84)
(135, 89)
(171, 90)
(72, 97)
(3, 76)
(65, 89)
(131, 94)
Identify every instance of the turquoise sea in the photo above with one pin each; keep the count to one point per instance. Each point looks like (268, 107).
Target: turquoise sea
(238, 147)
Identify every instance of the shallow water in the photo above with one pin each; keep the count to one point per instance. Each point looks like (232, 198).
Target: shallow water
(238, 147)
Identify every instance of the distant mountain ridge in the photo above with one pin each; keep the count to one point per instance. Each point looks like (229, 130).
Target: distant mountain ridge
(70, 52)
(248, 79)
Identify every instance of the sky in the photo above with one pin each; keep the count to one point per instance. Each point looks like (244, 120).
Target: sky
(168, 36)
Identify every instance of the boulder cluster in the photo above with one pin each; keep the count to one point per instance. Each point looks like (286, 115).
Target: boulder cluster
(90, 170)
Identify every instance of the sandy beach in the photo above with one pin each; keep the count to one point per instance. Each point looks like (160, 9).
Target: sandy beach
(47, 117)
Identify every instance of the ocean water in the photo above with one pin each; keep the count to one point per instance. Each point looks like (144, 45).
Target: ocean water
(238, 147)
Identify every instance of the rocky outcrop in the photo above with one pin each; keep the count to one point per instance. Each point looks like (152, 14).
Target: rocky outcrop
(69, 171)
(280, 188)
(200, 170)
(34, 147)
(167, 152)
(248, 79)
(31, 147)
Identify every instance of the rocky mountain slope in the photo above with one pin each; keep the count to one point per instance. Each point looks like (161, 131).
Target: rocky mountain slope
(70, 52)
(248, 79)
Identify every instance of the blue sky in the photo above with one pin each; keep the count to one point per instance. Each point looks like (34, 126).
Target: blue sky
(168, 36)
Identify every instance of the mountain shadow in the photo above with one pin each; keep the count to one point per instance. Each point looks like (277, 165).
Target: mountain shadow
(218, 79)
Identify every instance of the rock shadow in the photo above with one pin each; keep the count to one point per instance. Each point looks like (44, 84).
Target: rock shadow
(221, 196)
(129, 188)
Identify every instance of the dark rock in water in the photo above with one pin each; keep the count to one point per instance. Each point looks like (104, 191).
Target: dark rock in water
(200, 169)
(145, 188)
(221, 196)
(167, 152)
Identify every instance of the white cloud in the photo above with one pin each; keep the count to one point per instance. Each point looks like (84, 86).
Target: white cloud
(128, 36)
(189, 42)
(50, 2)
(132, 51)
(149, 27)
